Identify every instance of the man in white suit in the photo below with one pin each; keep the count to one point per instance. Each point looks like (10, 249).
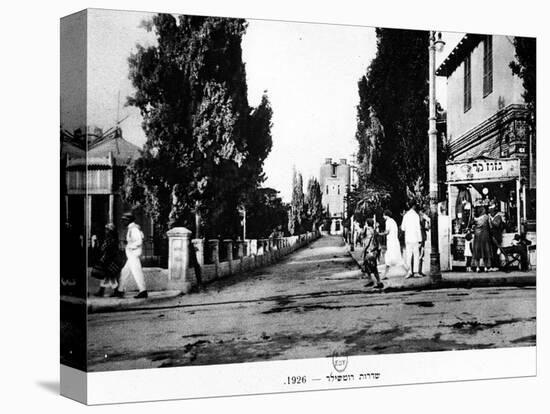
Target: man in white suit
(134, 241)
(413, 238)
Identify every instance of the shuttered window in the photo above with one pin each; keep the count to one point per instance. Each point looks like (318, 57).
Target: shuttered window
(487, 66)
(467, 83)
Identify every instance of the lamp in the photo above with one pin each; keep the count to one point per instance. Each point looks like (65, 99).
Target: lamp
(439, 43)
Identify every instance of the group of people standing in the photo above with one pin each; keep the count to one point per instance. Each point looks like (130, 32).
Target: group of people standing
(413, 226)
(113, 268)
(484, 240)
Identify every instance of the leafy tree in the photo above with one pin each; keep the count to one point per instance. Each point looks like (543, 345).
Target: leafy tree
(296, 211)
(314, 203)
(205, 146)
(265, 213)
(525, 66)
(392, 117)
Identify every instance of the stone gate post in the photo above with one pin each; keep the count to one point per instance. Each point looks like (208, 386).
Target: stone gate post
(179, 239)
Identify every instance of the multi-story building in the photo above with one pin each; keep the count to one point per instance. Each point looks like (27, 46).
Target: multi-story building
(334, 179)
(492, 149)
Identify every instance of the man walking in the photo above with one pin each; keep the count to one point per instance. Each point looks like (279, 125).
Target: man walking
(413, 237)
(134, 241)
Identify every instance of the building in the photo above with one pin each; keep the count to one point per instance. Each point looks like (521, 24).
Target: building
(93, 166)
(492, 159)
(335, 180)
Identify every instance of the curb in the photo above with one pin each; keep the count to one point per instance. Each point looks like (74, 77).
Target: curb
(454, 281)
(122, 304)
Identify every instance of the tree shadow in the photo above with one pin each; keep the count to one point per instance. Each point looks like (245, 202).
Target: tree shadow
(51, 386)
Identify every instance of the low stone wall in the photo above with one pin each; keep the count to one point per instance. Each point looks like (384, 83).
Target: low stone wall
(237, 256)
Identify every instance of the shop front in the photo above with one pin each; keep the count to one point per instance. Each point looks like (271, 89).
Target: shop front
(478, 184)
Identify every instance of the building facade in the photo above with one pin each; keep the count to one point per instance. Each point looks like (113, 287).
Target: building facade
(492, 158)
(335, 180)
(93, 168)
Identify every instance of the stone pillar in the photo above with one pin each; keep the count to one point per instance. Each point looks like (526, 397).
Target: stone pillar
(240, 248)
(229, 249)
(179, 239)
(111, 208)
(253, 247)
(214, 247)
(199, 248)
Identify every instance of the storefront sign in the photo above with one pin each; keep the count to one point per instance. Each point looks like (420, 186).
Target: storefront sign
(484, 170)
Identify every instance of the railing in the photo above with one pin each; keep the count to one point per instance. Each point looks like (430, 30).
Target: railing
(221, 258)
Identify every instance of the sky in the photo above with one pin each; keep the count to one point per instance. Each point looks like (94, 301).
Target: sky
(310, 73)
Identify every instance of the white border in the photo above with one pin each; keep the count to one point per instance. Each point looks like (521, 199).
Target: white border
(268, 377)
(30, 104)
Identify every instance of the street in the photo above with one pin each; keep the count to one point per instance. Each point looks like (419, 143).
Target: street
(306, 306)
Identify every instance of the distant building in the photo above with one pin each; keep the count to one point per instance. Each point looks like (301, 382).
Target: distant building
(492, 160)
(335, 180)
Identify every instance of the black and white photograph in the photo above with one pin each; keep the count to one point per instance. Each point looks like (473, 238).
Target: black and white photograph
(237, 190)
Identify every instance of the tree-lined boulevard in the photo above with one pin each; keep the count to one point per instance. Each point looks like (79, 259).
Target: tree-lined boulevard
(306, 306)
(199, 179)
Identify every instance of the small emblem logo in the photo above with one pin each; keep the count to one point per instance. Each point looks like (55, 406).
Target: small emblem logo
(339, 360)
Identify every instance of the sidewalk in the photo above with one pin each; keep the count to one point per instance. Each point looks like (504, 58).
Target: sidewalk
(397, 282)
(108, 304)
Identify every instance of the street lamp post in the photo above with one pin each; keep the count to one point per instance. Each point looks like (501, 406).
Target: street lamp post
(435, 268)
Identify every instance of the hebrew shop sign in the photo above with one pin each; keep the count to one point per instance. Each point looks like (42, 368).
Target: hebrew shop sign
(484, 170)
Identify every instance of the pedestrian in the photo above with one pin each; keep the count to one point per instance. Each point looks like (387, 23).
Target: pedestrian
(520, 245)
(482, 240)
(109, 262)
(196, 266)
(424, 229)
(497, 224)
(134, 241)
(392, 256)
(371, 253)
(468, 241)
(413, 237)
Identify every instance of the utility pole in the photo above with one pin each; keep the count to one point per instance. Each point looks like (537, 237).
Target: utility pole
(435, 267)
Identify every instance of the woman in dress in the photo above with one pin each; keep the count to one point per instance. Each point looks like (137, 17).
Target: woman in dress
(482, 241)
(393, 247)
(371, 252)
(110, 261)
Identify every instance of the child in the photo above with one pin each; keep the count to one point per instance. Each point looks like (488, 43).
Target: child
(371, 253)
(521, 245)
(468, 250)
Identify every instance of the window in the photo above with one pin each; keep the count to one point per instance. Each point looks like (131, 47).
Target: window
(338, 190)
(487, 66)
(327, 189)
(334, 170)
(467, 83)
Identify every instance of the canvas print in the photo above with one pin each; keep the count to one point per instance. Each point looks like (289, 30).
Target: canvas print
(244, 191)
